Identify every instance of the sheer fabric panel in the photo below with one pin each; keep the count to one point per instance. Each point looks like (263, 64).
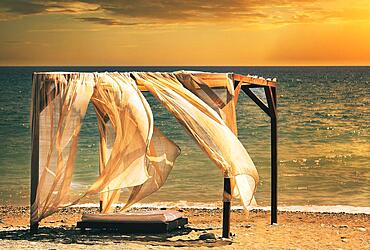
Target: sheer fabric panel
(134, 154)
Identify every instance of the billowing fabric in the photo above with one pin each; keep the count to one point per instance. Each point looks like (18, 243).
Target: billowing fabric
(208, 129)
(124, 139)
(60, 123)
(133, 153)
(130, 150)
(162, 155)
(220, 99)
(128, 154)
(223, 100)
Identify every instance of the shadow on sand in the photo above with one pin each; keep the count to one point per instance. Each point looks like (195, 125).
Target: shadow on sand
(67, 235)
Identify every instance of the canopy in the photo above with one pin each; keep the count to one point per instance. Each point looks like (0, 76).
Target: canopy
(133, 152)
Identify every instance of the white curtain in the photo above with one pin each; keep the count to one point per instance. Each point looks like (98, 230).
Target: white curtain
(133, 153)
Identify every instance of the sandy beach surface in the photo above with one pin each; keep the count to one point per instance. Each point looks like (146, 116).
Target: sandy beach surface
(295, 230)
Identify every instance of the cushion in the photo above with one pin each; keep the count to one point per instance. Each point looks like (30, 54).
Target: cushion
(140, 217)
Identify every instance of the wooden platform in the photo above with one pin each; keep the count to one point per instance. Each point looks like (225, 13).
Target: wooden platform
(161, 222)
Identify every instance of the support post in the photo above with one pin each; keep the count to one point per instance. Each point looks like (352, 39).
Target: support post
(226, 208)
(102, 155)
(35, 131)
(271, 99)
(274, 166)
(271, 110)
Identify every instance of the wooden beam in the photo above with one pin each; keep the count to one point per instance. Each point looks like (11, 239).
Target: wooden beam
(256, 100)
(226, 208)
(274, 162)
(271, 98)
(214, 80)
(227, 195)
(35, 130)
(254, 80)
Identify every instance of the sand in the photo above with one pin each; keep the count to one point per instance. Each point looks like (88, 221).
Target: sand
(295, 230)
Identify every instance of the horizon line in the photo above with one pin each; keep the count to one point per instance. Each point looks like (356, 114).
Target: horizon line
(185, 65)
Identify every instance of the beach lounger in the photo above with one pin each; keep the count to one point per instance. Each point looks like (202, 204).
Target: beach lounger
(160, 221)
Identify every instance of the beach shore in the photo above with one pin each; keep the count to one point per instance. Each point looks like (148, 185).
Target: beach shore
(295, 230)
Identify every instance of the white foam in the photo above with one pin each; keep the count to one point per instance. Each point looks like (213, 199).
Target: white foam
(195, 205)
(327, 209)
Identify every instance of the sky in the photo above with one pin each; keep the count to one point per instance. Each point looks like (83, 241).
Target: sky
(189, 32)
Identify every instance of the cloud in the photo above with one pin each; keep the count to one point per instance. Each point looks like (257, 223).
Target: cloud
(165, 12)
(175, 11)
(29, 7)
(13, 42)
(74, 7)
(106, 21)
(63, 30)
(22, 7)
(22, 43)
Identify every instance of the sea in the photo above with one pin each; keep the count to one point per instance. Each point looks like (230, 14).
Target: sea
(323, 139)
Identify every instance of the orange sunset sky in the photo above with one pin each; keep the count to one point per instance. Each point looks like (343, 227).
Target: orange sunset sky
(194, 32)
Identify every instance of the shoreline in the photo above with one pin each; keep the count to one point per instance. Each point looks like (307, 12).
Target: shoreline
(295, 230)
(346, 209)
(211, 206)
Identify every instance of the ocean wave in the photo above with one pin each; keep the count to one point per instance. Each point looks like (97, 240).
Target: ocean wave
(211, 206)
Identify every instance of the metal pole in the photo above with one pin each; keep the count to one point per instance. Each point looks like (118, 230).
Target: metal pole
(226, 208)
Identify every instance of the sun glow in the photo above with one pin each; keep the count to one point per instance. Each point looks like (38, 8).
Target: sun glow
(243, 32)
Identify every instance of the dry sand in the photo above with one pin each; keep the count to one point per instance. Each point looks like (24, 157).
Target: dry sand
(295, 230)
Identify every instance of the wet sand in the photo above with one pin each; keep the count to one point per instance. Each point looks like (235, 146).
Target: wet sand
(295, 230)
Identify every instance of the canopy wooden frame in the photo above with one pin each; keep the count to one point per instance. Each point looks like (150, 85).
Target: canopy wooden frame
(247, 82)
